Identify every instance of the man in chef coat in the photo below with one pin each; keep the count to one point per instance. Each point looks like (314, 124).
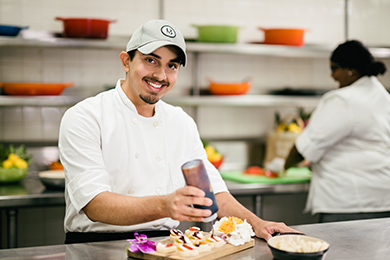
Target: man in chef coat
(123, 149)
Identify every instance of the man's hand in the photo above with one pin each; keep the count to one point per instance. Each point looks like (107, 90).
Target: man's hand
(266, 229)
(178, 204)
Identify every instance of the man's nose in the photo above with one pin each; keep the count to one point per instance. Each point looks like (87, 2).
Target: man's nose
(161, 74)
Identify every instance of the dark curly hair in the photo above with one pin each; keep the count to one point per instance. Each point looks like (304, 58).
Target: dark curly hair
(354, 55)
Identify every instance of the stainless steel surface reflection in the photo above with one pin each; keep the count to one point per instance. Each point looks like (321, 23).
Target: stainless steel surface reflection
(357, 240)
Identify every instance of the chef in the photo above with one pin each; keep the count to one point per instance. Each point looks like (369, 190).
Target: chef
(347, 141)
(122, 152)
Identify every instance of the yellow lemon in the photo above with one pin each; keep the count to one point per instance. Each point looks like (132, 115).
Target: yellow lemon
(294, 128)
(215, 157)
(21, 164)
(209, 150)
(13, 157)
(8, 164)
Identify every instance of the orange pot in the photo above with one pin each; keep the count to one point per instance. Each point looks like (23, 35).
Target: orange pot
(34, 89)
(229, 88)
(283, 36)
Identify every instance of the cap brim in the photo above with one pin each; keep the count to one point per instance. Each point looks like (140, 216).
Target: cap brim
(152, 46)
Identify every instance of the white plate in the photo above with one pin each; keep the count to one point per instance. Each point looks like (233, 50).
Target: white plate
(57, 174)
(55, 179)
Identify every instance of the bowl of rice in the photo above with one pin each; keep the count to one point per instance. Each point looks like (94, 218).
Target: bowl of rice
(291, 246)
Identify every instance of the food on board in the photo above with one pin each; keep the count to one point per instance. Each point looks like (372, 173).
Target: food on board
(254, 170)
(235, 230)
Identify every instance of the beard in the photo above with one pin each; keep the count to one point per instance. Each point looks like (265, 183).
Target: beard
(150, 99)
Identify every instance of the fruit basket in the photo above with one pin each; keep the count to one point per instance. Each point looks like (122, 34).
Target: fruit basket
(13, 163)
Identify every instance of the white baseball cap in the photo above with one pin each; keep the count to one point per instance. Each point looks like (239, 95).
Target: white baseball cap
(155, 34)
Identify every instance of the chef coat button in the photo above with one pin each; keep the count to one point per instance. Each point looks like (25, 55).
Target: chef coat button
(136, 155)
(159, 191)
(156, 225)
(158, 158)
(155, 124)
(130, 192)
(135, 121)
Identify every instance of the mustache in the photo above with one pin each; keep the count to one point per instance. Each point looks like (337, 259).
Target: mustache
(153, 79)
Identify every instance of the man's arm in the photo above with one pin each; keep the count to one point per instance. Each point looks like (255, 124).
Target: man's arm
(293, 158)
(229, 206)
(116, 209)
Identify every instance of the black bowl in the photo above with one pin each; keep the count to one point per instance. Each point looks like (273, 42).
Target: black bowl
(288, 255)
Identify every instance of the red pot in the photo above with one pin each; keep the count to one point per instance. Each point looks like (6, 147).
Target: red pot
(85, 28)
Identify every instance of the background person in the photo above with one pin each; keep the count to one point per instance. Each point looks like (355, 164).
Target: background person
(123, 149)
(347, 141)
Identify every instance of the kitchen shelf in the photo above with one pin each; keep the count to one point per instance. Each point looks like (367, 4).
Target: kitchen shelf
(119, 43)
(39, 101)
(243, 101)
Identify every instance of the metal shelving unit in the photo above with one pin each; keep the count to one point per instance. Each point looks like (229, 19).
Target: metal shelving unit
(196, 48)
(243, 101)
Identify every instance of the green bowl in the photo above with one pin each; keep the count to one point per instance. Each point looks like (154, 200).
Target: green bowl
(12, 175)
(217, 33)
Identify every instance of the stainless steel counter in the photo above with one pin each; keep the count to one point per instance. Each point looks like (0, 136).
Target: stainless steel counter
(357, 240)
(30, 192)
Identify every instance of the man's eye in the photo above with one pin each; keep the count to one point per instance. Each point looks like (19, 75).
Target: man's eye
(173, 66)
(150, 60)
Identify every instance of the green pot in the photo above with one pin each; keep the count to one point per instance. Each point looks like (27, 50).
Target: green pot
(12, 174)
(217, 33)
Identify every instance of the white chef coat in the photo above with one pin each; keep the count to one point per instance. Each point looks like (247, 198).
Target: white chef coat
(348, 143)
(105, 145)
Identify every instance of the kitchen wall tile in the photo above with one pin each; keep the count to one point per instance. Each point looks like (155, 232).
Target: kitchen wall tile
(10, 12)
(368, 21)
(32, 71)
(32, 115)
(13, 131)
(32, 132)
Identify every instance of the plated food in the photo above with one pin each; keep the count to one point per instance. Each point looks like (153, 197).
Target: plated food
(195, 244)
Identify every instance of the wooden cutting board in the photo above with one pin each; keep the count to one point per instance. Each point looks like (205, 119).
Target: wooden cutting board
(215, 253)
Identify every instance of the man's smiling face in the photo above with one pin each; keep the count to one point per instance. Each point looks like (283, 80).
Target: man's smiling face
(152, 75)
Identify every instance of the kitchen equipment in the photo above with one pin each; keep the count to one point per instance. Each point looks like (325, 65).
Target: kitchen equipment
(292, 175)
(85, 27)
(217, 33)
(298, 92)
(195, 174)
(53, 179)
(296, 237)
(9, 30)
(12, 174)
(32, 89)
(239, 88)
(283, 36)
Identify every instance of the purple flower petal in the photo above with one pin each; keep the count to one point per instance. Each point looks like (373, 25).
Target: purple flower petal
(133, 248)
(141, 243)
(145, 248)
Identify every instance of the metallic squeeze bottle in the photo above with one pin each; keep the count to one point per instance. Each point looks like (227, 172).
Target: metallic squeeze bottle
(195, 175)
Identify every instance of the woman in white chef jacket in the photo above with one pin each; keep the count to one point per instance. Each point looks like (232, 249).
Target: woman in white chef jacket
(347, 141)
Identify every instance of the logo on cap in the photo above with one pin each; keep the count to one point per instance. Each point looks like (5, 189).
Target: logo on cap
(168, 31)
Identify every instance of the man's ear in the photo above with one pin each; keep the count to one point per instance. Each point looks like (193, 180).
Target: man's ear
(125, 61)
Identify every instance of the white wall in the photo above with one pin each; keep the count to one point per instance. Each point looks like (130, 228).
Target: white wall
(93, 70)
